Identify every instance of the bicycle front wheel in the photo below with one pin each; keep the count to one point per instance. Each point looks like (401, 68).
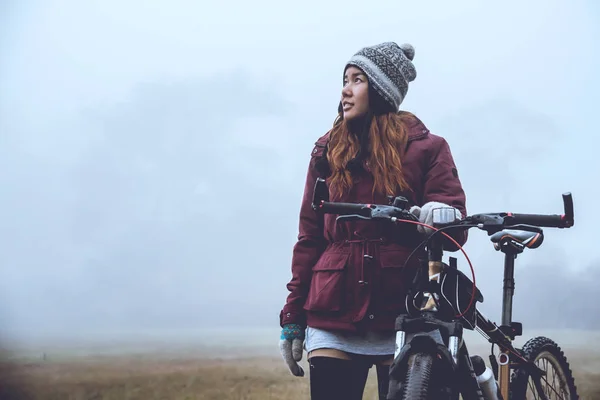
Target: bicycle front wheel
(418, 375)
(558, 381)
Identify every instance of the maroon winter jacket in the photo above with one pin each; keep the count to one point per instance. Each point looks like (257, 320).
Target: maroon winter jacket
(349, 275)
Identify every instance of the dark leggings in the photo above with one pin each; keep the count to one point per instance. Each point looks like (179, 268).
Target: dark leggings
(333, 378)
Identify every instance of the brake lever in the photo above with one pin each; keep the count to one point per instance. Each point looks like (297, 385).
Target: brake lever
(523, 227)
(392, 213)
(408, 216)
(351, 217)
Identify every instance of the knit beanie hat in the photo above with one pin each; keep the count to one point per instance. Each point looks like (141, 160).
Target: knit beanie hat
(389, 68)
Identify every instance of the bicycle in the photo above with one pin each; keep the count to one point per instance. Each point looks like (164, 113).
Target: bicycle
(431, 359)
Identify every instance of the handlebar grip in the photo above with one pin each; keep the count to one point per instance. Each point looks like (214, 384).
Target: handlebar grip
(344, 208)
(569, 214)
(548, 221)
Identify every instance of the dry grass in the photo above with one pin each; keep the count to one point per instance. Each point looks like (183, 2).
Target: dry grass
(130, 378)
(203, 371)
(177, 379)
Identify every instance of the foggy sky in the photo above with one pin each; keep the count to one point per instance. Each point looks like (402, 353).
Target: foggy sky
(153, 155)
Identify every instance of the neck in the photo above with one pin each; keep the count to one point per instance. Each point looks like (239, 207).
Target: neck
(360, 127)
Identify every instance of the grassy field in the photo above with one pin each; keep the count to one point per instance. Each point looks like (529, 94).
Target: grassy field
(205, 373)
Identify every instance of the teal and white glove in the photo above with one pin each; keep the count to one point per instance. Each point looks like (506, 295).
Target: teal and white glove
(290, 345)
(425, 214)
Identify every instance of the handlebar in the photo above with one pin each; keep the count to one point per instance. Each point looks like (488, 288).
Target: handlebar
(396, 210)
(352, 211)
(552, 221)
(443, 219)
(492, 222)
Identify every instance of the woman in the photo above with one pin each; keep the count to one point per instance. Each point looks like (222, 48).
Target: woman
(348, 280)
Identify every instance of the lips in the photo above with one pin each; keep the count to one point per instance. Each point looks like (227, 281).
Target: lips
(347, 106)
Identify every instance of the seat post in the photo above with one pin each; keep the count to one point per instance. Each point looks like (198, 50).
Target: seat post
(510, 249)
(509, 285)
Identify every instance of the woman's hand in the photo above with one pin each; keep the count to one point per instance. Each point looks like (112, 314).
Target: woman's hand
(425, 215)
(290, 345)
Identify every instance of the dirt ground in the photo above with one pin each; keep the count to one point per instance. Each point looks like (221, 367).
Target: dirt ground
(199, 373)
(177, 379)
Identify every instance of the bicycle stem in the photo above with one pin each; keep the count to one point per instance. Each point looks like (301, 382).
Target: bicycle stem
(435, 251)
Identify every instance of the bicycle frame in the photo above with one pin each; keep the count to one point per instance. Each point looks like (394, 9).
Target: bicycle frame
(506, 333)
(441, 335)
(502, 336)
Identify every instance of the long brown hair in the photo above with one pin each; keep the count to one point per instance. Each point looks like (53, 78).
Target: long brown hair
(388, 135)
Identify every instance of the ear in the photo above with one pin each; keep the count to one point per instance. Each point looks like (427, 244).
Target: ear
(377, 104)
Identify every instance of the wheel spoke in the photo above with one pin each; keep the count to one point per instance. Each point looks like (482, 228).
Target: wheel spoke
(555, 377)
(532, 386)
(551, 388)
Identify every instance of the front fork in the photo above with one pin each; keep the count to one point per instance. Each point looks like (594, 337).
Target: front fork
(426, 333)
(430, 306)
(453, 339)
(428, 325)
(430, 301)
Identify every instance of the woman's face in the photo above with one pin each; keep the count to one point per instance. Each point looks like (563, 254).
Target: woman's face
(355, 94)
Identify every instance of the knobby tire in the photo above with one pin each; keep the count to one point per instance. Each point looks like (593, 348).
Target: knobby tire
(544, 352)
(418, 375)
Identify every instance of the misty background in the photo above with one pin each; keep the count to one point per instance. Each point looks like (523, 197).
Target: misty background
(153, 154)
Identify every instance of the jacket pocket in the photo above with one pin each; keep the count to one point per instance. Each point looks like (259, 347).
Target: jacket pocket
(395, 277)
(327, 287)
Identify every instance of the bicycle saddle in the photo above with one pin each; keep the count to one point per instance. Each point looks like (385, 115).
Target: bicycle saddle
(527, 239)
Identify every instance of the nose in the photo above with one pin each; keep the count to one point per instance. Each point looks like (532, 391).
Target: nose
(346, 92)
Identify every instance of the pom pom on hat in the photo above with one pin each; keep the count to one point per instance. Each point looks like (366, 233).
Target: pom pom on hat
(408, 50)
